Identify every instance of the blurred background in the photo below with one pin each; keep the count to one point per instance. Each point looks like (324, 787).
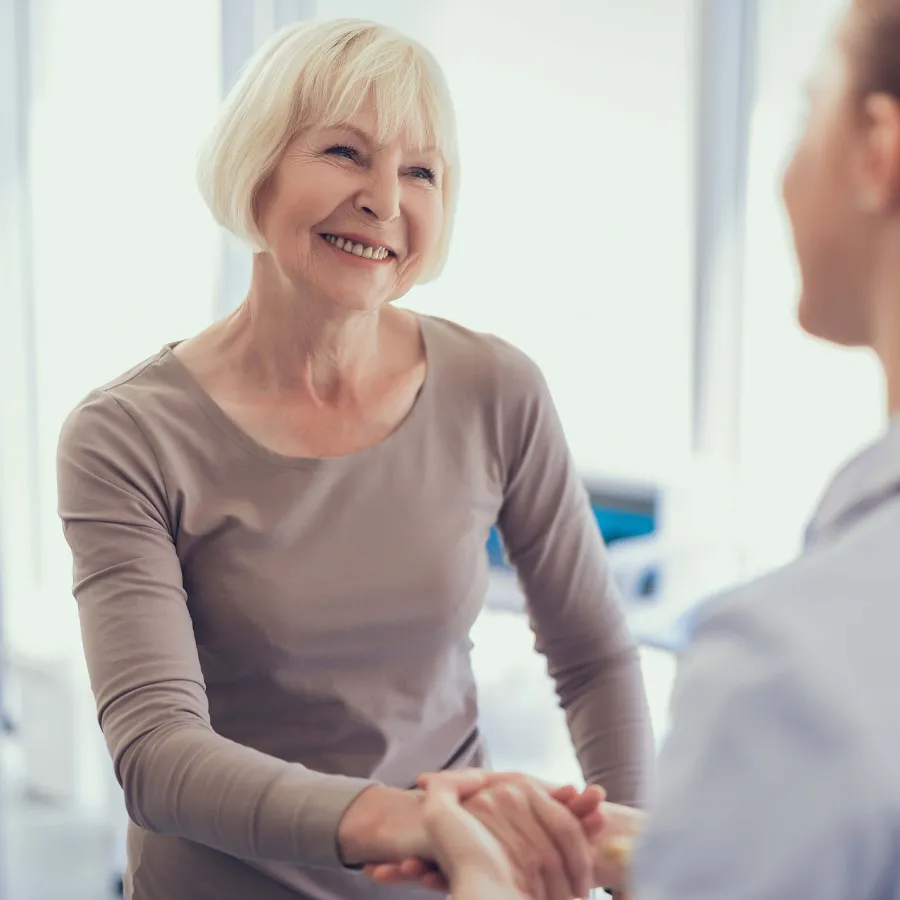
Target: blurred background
(621, 166)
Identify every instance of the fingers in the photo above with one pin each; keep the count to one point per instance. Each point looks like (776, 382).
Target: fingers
(387, 873)
(545, 834)
(565, 795)
(485, 807)
(544, 853)
(553, 849)
(461, 782)
(501, 777)
(434, 881)
(581, 803)
(587, 801)
(510, 811)
(588, 807)
(445, 820)
(593, 824)
(465, 782)
(410, 871)
(460, 842)
(586, 804)
(568, 838)
(415, 870)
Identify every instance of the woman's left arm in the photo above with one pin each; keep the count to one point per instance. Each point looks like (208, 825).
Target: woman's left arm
(552, 540)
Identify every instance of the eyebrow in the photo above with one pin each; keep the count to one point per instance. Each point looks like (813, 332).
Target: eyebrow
(369, 139)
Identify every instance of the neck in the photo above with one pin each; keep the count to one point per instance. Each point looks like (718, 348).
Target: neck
(890, 362)
(306, 343)
(886, 331)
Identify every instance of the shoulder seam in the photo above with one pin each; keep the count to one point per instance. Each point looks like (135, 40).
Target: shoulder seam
(162, 474)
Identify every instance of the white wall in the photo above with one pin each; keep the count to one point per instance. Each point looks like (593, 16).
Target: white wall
(574, 235)
(18, 563)
(125, 256)
(805, 406)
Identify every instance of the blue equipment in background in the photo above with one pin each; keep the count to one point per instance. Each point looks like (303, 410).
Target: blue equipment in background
(622, 510)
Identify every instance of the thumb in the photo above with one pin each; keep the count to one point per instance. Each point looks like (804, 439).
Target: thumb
(460, 784)
(453, 832)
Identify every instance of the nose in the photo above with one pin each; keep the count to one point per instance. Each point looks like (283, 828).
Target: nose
(379, 199)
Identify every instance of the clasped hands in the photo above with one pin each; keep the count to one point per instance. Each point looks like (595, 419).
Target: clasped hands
(506, 836)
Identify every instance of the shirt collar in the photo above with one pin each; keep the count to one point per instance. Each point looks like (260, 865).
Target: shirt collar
(860, 485)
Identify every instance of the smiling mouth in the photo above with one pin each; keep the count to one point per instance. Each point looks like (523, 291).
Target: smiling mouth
(354, 248)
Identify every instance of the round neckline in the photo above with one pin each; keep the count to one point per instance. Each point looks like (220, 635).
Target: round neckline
(226, 424)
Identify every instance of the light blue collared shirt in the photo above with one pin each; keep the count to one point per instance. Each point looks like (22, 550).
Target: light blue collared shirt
(780, 779)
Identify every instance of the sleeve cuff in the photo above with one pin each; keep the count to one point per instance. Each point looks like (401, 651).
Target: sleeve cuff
(318, 816)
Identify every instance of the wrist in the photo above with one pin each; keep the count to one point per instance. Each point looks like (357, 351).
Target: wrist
(382, 825)
(614, 846)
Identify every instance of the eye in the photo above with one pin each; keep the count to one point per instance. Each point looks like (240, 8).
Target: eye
(344, 150)
(424, 173)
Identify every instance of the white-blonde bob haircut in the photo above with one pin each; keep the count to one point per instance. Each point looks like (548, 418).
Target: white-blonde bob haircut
(319, 74)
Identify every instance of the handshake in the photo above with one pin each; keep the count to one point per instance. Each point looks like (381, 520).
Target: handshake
(494, 836)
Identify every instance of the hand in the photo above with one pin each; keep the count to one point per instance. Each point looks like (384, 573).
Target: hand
(543, 829)
(383, 825)
(470, 857)
(613, 846)
(544, 840)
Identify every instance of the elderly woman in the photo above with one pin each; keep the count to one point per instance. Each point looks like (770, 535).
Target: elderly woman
(779, 779)
(278, 526)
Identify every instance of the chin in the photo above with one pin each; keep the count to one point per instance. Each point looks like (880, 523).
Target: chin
(830, 324)
(355, 297)
(806, 317)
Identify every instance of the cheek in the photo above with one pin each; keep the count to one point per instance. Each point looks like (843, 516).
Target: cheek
(827, 240)
(800, 192)
(426, 218)
(813, 201)
(296, 201)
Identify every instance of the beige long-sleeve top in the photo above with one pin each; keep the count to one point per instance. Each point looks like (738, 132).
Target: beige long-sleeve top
(267, 635)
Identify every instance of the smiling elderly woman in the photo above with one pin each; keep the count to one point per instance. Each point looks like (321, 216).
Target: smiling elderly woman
(279, 525)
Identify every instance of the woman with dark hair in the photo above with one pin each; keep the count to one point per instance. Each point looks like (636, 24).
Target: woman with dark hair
(779, 779)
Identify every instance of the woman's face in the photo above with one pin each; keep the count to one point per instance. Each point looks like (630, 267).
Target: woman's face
(350, 219)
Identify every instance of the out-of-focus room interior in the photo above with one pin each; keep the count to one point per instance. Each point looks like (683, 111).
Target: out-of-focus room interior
(620, 168)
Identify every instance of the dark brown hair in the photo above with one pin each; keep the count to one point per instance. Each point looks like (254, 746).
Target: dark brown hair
(873, 41)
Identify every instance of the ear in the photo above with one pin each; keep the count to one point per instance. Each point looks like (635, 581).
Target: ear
(880, 170)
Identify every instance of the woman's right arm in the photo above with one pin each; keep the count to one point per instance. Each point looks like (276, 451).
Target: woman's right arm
(179, 776)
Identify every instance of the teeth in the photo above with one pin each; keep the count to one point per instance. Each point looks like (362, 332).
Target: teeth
(356, 248)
